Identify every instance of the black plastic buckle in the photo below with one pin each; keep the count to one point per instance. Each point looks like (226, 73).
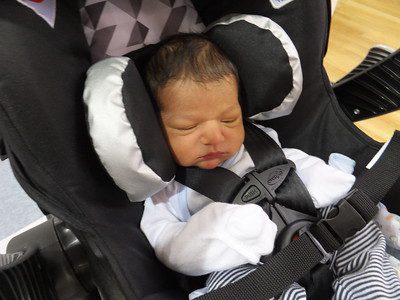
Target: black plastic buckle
(343, 222)
(344, 219)
(259, 186)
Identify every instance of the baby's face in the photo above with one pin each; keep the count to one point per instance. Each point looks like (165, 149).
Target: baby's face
(202, 121)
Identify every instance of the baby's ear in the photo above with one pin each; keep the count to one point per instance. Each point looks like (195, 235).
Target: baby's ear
(125, 128)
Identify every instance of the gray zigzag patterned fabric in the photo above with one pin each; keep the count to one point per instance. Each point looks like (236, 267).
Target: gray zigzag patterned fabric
(116, 27)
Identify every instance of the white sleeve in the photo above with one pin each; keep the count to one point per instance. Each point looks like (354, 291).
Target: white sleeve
(218, 237)
(326, 184)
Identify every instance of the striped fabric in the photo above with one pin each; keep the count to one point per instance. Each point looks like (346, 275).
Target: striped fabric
(295, 291)
(362, 268)
(220, 279)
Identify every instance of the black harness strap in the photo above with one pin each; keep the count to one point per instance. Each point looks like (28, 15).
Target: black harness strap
(264, 151)
(222, 185)
(274, 276)
(266, 154)
(327, 235)
(381, 180)
(216, 184)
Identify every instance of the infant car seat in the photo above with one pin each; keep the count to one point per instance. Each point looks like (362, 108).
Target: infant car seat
(43, 133)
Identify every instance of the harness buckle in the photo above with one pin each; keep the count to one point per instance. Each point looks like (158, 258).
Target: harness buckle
(259, 186)
(343, 220)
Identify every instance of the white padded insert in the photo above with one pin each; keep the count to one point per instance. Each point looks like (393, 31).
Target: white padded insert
(112, 134)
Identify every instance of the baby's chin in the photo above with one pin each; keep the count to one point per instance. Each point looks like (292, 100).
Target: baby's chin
(209, 164)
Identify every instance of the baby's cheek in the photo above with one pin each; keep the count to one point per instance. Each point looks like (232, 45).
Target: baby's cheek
(184, 150)
(236, 141)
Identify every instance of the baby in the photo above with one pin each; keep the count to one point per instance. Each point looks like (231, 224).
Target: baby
(197, 92)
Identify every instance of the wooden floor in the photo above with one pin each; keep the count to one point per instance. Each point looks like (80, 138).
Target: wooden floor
(358, 25)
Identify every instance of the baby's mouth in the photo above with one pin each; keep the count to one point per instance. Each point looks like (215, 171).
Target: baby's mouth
(213, 155)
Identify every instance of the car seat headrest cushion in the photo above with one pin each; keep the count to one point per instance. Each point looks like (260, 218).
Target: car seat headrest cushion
(267, 61)
(125, 130)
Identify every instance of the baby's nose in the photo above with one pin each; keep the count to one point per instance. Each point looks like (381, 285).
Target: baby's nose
(212, 134)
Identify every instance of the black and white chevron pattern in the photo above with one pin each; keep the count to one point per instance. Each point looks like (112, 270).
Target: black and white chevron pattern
(116, 27)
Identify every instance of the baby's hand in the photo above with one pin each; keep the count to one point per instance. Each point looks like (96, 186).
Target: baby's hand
(218, 237)
(245, 228)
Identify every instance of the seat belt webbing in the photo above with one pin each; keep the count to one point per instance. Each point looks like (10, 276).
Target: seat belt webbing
(264, 283)
(378, 182)
(217, 184)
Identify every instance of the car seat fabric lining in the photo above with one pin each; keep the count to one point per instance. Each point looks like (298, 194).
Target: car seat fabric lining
(43, 125)
(114, 28)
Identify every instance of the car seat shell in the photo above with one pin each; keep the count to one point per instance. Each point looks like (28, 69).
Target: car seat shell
(43, 125)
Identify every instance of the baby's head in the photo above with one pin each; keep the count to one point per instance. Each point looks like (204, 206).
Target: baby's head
(197, 92)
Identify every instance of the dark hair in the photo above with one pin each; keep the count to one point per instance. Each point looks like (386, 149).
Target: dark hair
(187, 56)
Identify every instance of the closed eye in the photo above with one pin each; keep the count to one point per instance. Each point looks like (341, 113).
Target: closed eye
(186, 128)
(230, 120)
